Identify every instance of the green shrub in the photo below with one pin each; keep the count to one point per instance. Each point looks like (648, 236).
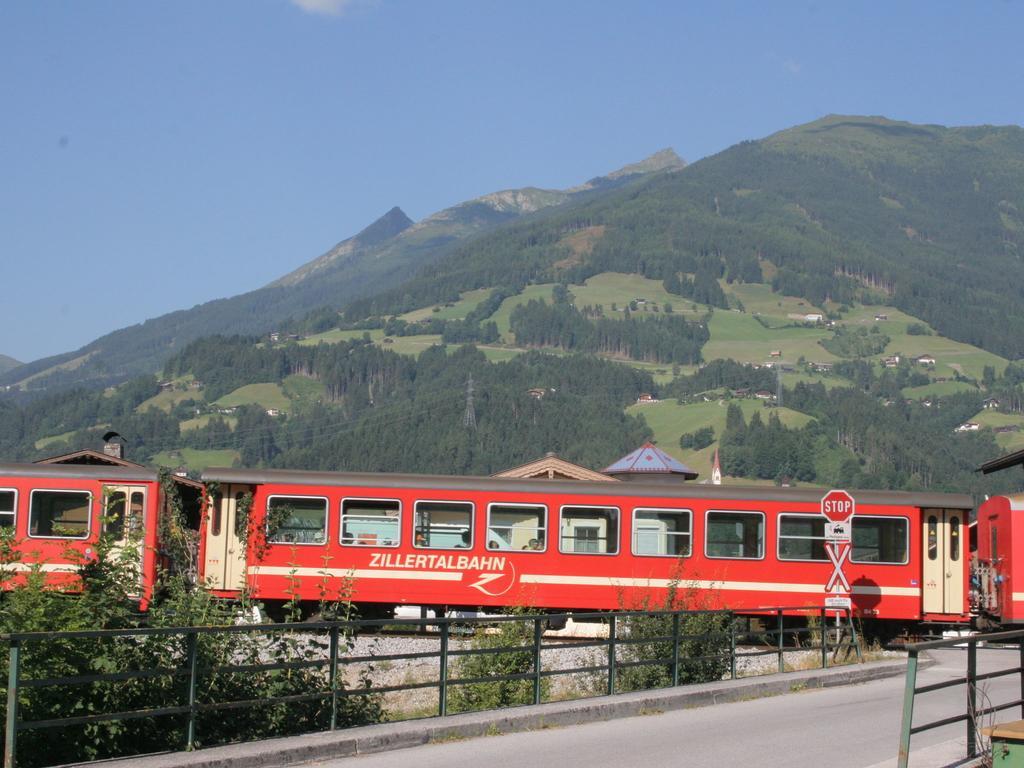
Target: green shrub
(494, 694)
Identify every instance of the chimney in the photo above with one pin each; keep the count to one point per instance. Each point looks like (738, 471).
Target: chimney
(113, 445)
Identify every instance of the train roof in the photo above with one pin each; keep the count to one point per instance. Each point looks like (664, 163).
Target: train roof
(80, 472)
(580, 487)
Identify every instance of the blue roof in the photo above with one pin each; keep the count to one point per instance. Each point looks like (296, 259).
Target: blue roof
(648, 458)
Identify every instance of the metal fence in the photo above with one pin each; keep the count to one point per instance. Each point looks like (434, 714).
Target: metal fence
(174, 686)
(973, 714)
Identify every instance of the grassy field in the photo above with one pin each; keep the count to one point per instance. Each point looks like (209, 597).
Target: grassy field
(336, 336)
(617, 288)
(467, 302)
(165, 401)
(302, 389)
(501, 317)
(950, 356)
(45, 441)
(739, 336)
(758, 299)
(203, 420)
(1008, 441)
(670, 421)
(264, 395)
(938, 389)
(195, 459)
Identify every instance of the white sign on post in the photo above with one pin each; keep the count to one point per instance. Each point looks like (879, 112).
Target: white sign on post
(837, 532)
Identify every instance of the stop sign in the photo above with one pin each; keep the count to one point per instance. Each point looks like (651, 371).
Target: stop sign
(837, 506)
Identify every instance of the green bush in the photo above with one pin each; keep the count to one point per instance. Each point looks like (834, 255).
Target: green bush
(517, 636)
(229, 664)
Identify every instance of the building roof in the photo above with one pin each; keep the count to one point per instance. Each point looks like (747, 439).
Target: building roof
(88, 456)
(1003, 462)
(553, 468)
(649, 459)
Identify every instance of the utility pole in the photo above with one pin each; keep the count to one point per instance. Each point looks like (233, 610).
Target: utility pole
(469, 418)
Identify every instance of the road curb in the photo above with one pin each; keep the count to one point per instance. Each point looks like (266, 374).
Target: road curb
(391, 736)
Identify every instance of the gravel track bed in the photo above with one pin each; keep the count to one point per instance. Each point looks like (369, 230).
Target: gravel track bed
(559, 655)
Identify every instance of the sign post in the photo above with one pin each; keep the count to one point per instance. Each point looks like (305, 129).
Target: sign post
(838, 507)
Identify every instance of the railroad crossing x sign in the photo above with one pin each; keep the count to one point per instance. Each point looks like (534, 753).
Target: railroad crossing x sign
(838, 554)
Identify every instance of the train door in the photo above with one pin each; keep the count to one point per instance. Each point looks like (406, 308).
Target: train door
(224, 565)
(943, 576)
(124, 512)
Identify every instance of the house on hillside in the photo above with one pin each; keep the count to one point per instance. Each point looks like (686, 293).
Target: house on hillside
(536, 392)
(775, 353)
(968, 426)
(924, 360)
(990, 403)
(892, 361)
(814, 317)
(763, 394)
(879, 318)
(646, 397)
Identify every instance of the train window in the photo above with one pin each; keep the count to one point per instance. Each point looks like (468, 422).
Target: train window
(370, 522)
(8, 501)
(954, 539)
(113, 517)
(734, 535)
(517, 526)
(59, 514)
(995, 540)
(802, 537)
(216, 512)
(443, 525)
(933, 537)
(296, 520)
(136, 512)
(661, 532)
(879, 540)
(241, 520)
(590, 530)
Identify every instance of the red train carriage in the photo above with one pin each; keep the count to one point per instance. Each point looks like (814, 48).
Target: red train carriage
(56, 514)
(468, 542)
(998, 578)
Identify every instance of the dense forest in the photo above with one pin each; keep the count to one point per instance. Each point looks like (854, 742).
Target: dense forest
(663, 338)
(381, 411)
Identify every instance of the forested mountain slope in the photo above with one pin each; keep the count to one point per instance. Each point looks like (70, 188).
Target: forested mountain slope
(926, 218)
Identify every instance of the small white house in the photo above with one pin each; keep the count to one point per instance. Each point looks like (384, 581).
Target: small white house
(968, 426)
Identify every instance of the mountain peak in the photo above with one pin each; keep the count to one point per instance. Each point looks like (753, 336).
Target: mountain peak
(662, 160)
(387, 226)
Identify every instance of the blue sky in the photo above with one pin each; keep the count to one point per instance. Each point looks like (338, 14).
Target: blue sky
(158, 155)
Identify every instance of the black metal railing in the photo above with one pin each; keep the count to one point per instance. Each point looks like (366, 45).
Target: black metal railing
(972, 714)
(182, 681)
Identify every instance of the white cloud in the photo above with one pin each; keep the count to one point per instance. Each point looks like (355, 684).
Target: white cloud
(324, 7)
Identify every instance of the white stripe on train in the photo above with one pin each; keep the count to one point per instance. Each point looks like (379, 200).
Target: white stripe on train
(585, 581)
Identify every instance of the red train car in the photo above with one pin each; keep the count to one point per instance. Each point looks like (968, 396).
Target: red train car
(998, 578)
(55, 515)
(489, 542)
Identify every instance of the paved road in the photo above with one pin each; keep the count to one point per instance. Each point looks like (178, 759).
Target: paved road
(849, 727)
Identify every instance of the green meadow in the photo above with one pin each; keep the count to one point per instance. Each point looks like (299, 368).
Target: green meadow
(670, 421)
(739, 336)
(195, 459)
(758, 299)
(1008, 441)
(264, 395)
(467, 302)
